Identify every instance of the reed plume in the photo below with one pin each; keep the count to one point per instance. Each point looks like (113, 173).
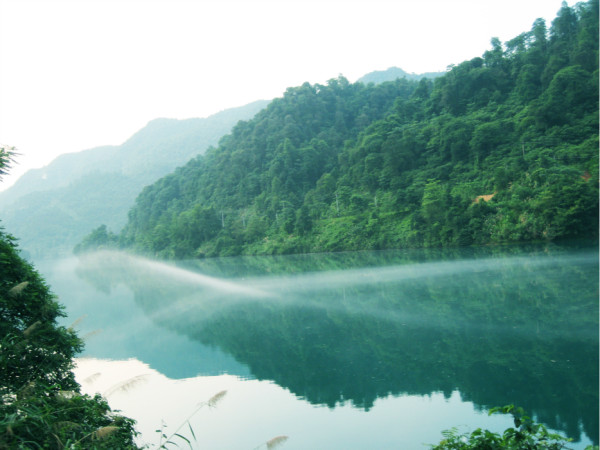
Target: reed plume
(212, 402)
(276, 441)
(104, 432)
(76, 322)
(67, 394)
(99, 434)
(126, 385)
(273, 442)
(16, 290)
(92, 378)
(90, 334)
(31, 328)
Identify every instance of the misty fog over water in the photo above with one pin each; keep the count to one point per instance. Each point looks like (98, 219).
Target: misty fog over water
(423, 339)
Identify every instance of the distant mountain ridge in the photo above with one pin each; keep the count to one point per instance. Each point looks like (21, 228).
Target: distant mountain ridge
(145, 143)
(393, 73)
(59, 173)
(50, 209)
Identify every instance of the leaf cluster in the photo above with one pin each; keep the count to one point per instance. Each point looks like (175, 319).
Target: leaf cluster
(525, 435)
(40, 402)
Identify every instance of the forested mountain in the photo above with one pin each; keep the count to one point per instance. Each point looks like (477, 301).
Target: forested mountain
(502, 148)
(380, 76)
(52, 208)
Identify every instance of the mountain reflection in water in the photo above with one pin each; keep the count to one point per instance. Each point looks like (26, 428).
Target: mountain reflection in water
(500, 326)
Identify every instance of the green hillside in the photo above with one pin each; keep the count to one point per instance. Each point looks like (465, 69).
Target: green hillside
(502, 148)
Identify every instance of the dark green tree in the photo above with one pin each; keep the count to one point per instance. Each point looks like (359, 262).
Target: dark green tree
(100, 238)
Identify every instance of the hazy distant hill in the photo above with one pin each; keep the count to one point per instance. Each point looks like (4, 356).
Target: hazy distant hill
(59, 173)
(381, 76)
(52, 208)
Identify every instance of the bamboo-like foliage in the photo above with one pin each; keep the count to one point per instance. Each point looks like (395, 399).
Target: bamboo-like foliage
(7, 158)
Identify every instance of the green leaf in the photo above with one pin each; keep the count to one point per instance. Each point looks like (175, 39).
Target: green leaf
(184, 438)
(192, 431)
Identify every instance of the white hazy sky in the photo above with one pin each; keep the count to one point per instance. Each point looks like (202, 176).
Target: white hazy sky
(76, 74)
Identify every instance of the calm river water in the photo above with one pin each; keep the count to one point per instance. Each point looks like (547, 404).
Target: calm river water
(353, 350)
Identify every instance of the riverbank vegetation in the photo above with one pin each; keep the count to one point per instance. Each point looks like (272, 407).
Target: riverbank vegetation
(525, 435)
(41, 405)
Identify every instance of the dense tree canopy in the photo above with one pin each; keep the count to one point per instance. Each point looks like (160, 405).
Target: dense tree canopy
(502, 148)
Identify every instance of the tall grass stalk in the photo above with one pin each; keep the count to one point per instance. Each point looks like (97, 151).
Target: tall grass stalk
(211, 403)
